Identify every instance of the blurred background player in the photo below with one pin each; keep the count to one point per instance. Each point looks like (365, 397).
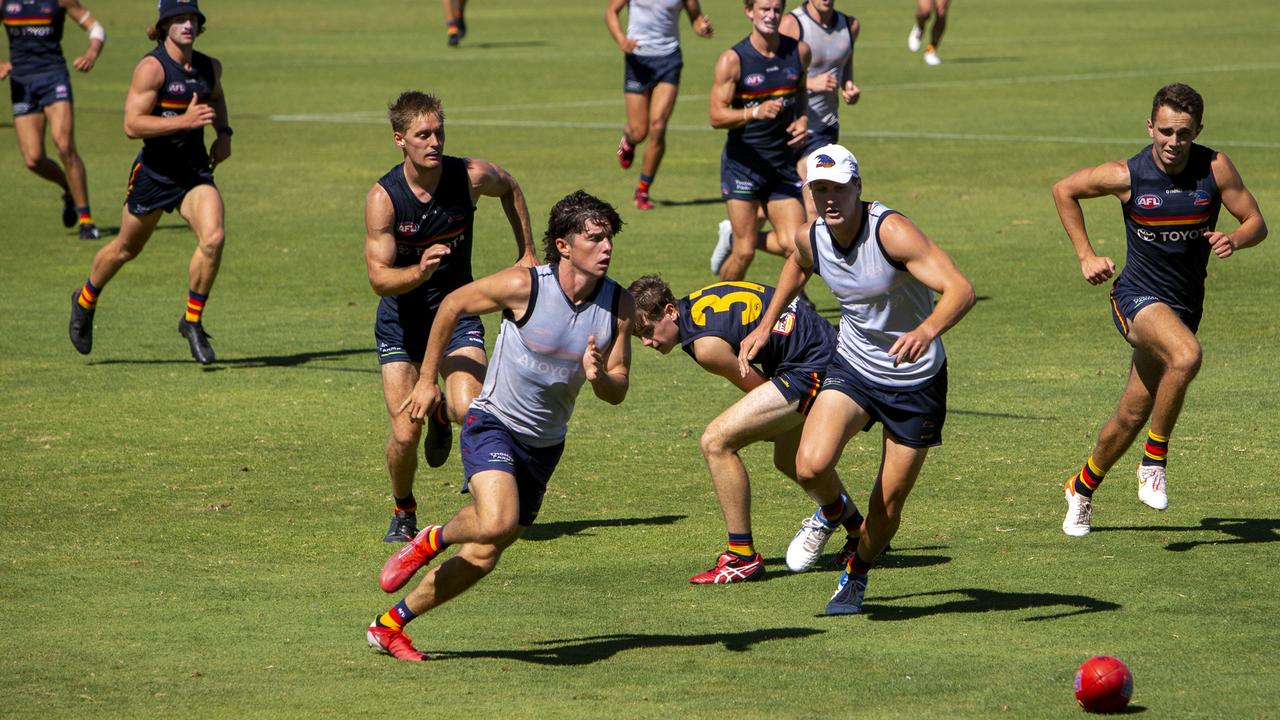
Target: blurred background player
(175, 92)
(652, 77)
(564, 324)
(418, 237)
(758, 95)
(455, 21)
(40, 88)
(890, 366)
(1171, 193)
(709, 325)
(924, 10)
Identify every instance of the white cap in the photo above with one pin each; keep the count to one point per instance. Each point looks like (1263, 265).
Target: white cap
(833, 163)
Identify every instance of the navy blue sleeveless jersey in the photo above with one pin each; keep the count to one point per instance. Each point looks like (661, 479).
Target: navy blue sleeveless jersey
(35, 35)
(801, 340)
(445, 219)
(1165, 222)
(184, 151)
(763, 143)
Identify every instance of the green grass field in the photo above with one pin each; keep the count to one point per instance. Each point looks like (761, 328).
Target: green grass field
(205, 542)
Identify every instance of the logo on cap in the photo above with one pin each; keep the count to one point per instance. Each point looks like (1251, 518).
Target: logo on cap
(824, 161)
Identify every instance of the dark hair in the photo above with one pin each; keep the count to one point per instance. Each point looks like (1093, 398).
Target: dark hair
(411, 105)
(571, 215)
(1182, 98)
(158, 32)
(651, 294)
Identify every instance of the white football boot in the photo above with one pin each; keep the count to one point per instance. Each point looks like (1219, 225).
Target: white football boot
(806, 547)
(724, 245)
(913, 40)
(1151, 486)
(1079, 517)
(931, 58)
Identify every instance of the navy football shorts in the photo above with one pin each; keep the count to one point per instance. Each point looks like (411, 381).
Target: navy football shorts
(150, 190)
(913, 416)
(644, 71)
(1127, 301)
(820, 137)
(402, 337)
(33, 94)
(739, 181)
(487, 444)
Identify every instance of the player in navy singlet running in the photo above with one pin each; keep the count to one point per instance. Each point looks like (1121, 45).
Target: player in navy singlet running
(1170, 193)
(759, 96)
(651, 45)
(709, 325)
(174, 94)
(418, 237)
(565, 324)
(889, 367)
(40, 88)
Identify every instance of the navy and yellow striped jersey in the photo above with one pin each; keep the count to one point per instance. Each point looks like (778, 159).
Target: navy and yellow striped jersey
(762, 143)
(1165, 221)
(184, 151)
(34, 28)
(801, 340)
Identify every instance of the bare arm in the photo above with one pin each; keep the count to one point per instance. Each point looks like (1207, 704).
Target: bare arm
(931, 265)
(716, 356)
(796, 270)
(1111, 178)
(220, 150)
(491, 180)
(504, 290)
(1242, 205)
(144, 90)
(613, 21)
(701, 23)
(800, 126)
(380, 249)
(723, 115)
(608, 370)
(97, 35)
(850, 92)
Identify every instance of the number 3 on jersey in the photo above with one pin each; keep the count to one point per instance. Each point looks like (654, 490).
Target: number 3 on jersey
(750, 297)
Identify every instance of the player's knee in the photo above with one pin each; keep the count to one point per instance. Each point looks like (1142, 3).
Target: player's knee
(1186, 360)
(658, 129)
(637, 134)
(498, 531)
(714, 442)
(32, 161)
(211, 242)
(66, 150)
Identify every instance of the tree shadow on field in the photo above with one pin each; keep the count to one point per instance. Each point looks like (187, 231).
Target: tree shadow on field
(588, 650)
(891, 558)
(985, 60)
(999, 415)
(1242, 531)
(981, 600)
(553, 530)
(260, 361)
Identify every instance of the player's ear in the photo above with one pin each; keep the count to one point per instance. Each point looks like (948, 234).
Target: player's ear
(398, 137)
(669, 311)
(562, 247)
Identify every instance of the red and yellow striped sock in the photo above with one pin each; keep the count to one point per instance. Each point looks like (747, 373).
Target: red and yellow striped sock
(88, 298)
(1156, 449)
(1088, 479)
(742, 545)
(195, 306)
(86, 218)
(397, 617)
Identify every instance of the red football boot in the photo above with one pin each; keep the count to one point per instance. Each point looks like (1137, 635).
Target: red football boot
(408, 560)
(395, 643)
(731, 569)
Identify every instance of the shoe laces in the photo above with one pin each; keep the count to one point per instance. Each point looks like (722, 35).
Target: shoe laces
(816, 532)
(1153, 477)
(1083, 507)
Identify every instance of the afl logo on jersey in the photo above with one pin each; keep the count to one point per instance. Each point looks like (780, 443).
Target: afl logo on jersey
(753, 79)
(1149, 202)
(407, 227)
(177, 88)
(13, 8)
(1200, 198)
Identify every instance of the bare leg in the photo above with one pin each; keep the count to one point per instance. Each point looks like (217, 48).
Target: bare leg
(742, 216)
(787, 216)
(637, 106)
(834, 419)
(133, 236)
(939, 21)
(30, 131)
(463, 372)
(662, 101)
(899, 467)
(202, 209)
(398, 379)
(62, 129)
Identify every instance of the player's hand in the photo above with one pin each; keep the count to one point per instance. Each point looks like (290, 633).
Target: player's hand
(198, 114)
(430, 261)
(527, 260)
(5, 69)
(220, 150)
(799, 131)
(910, 346)
(1224, 246)
(422, 399)
(826, 82)
(702, 26)
(850, 93)
(592, 360)
(750, 347)
(629, 46)
(767, 110)
(1097, 269)
(85, 62)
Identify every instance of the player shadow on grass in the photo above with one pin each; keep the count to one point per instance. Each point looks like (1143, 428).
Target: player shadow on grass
(259, 361)
(691, 201)
(593, 649)
(1243, 531)
(981, 600)
(553, 530)
(893, 557)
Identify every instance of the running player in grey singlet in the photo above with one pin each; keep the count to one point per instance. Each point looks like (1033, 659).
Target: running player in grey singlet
(653, 64)
(1170, 194)
(890, 366)
(564, 324)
